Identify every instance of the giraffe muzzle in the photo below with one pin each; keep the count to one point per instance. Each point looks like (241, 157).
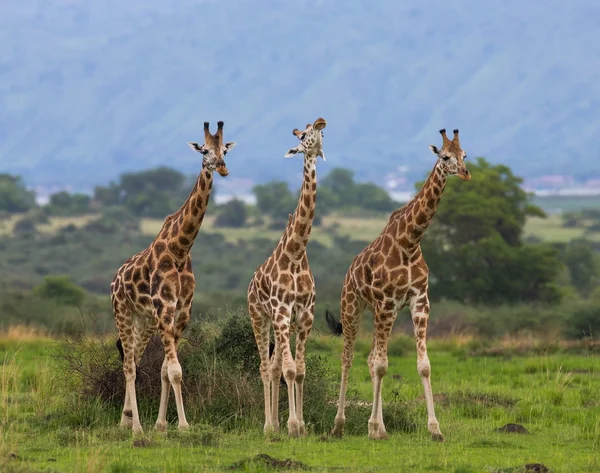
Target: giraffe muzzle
(464, 174)
(222, 170)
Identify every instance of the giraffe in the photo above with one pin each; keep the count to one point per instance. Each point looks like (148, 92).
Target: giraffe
(153, 290)
(389, 274)
(282, 293)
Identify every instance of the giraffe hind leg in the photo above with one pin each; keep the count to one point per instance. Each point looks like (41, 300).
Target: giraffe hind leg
(351, 312)
(261, 326)
(304, 323)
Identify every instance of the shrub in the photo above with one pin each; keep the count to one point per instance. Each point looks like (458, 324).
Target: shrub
(221, 384)
(232, 214)
(61, 289)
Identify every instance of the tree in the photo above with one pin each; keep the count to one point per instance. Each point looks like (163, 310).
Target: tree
(14, 197)
(338, 190)
(275, 199)
(61, 289)
(232, 214)
(474, 246)
(64, 203)
(493, 202)
(583, 263)
(150, 193)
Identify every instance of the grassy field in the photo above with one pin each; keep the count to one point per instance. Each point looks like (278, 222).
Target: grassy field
(553, 394)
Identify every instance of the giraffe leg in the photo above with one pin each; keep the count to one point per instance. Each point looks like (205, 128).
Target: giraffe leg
(282, 333)
(161, 421)
(180, 324)
(126, 416)
(378, 364)
(261, 325)
(276, 368)
(130, 416)
(304, 323)
(170, 340)
(419, 309)
(351, 311)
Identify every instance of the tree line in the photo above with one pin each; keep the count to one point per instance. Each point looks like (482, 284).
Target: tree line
(476, 247)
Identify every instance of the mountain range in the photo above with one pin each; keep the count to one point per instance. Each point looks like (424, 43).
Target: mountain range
(92, 89)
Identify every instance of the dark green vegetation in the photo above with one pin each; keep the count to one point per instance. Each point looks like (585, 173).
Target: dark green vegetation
(97, 91)
(487, 277)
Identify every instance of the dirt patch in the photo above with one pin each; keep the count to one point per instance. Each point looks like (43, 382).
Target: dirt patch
(536, 468)
(527, 468)
(513, 429)
(140, 443)
(269, 462)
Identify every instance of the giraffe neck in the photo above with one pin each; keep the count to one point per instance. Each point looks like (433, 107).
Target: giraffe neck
(180, 229)
(299, 227)
(416, 216)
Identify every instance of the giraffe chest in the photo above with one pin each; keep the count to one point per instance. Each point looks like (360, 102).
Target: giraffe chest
(289, 290)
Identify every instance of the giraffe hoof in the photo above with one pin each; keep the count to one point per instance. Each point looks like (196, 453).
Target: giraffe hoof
(437, 437)
(138, 431)
(160, 426)
(302, 429)
(378, 436)
(293, 429)
(184, 426)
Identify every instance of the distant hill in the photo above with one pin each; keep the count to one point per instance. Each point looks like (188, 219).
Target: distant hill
(91, 89)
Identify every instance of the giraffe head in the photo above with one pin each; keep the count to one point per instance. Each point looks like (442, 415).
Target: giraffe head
(214, 150)
(311, 140)
(451, 156)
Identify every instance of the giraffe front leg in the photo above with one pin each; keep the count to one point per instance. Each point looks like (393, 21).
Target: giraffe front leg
(261, 326)
(419, 308)
(161, 421)
(304, 322)
(282, 332)
(130, 416)
(378, 364)
(170, 338)
(276, 368)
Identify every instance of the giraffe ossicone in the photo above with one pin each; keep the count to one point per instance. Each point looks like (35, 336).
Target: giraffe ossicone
(281, 294)
(154, 289)
(389, 274)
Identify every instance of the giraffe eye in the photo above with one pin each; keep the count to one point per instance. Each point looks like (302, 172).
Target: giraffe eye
(225, 153)
(302, 136)
(204, 152)
(445, 158)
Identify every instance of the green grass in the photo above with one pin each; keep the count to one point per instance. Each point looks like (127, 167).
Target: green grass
(554, 396)
(551, 229)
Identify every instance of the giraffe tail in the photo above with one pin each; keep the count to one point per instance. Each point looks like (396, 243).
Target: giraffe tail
(334, 324)
(120, 348)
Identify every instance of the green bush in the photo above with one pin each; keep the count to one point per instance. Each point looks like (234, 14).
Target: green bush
(233, 214)
(61, 289)
(221, 382)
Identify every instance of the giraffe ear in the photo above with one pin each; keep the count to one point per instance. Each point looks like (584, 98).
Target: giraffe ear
(197, 147)
(291, 152)
(434, 149)
(229, 146)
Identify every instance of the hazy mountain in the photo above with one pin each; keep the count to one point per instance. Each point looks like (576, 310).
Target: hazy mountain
(89, 89)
